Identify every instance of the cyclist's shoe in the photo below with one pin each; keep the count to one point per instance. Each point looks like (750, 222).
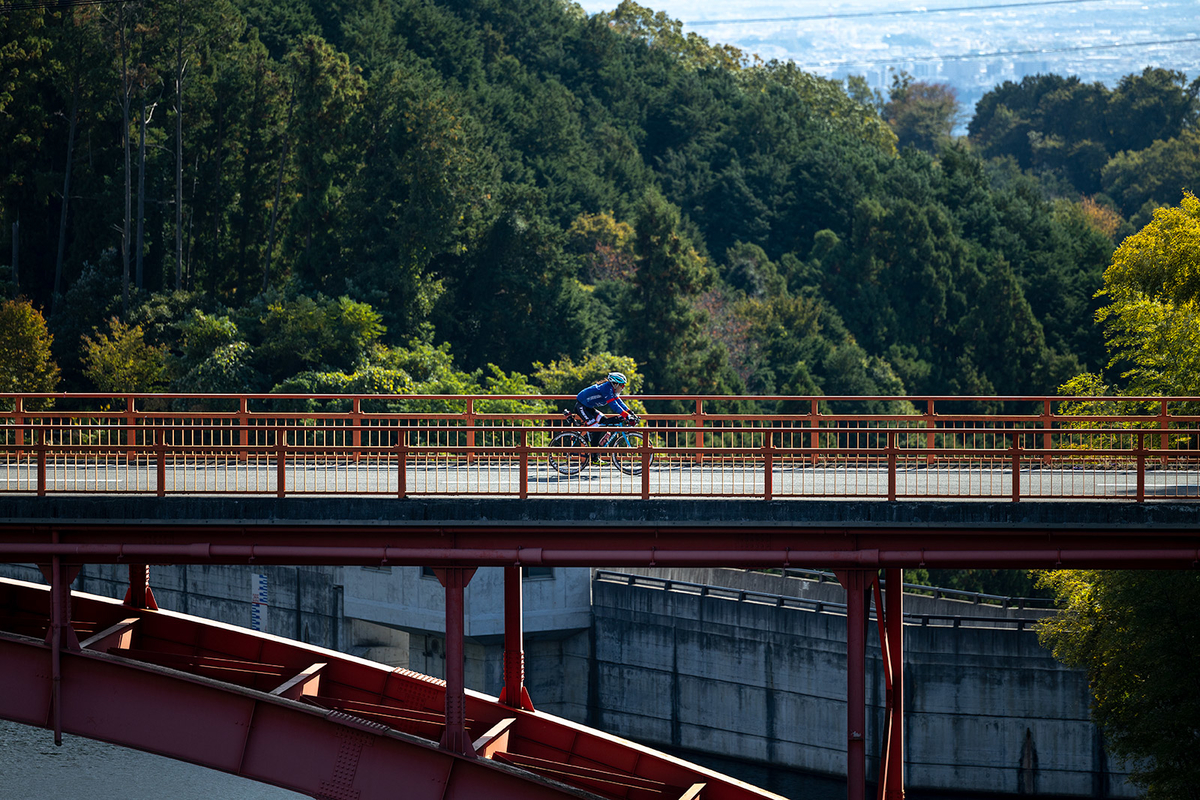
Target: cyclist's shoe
(597, 461)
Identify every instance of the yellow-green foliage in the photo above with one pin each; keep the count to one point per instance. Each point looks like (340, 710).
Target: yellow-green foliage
(564, 376)
(1152, 320)
(25, 361)
(828, 100)
(1136, 635)
(660, 31)
(122, 360)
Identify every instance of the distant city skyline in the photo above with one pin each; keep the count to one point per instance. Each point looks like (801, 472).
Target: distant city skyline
(972, 45)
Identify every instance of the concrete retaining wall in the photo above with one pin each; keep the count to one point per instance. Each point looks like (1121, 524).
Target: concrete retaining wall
(989, 710)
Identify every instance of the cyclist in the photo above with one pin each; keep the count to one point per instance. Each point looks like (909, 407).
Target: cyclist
(601, 395)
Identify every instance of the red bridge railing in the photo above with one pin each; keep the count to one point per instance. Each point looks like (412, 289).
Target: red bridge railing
(888, 448)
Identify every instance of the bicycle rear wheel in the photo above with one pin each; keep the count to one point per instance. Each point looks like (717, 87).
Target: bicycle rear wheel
(569, 456)
(629, 460)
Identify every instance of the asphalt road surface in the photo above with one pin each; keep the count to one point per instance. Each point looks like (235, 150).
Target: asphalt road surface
(731, 478)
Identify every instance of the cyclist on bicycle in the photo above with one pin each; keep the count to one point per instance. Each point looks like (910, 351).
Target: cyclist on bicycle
(604, 394)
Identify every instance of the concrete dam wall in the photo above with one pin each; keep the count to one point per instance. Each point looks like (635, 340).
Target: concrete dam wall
(988, 710)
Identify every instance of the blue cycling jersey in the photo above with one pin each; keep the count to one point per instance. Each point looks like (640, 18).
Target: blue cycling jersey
(602, 394)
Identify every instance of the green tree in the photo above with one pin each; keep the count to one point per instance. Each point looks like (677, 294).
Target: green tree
(1152, 317)
(1012, 118)
(513, 297)
(122, 361)
(852, 110)
(1137, 636)
(1157, 104)
(214, 357)
(302, 333)
(921, 113)
(604, 244)
(565, 376)
(26, 363)
(661, 32)
(666, 330)
(328, 103)
(416, 198)
(1142, 180)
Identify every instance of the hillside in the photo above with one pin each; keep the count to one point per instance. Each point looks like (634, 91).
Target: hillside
(392, 195)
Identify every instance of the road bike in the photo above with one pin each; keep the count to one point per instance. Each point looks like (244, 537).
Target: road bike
(573, 451)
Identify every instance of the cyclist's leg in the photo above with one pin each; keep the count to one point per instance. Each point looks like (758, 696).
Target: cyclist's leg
(591, 418)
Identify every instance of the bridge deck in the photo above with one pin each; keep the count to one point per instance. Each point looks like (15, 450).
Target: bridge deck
(596, 532)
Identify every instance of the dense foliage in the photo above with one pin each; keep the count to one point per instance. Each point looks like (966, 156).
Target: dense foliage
(1137, 143)
(1136, 635)
(277, 194)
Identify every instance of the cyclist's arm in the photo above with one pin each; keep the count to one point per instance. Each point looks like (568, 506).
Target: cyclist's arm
(620, 408)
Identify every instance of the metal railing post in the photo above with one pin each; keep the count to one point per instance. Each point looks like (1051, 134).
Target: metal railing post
(931, 434)
(814, 436)
(40, 440)
(698, 424)
(19, 422)
(130, 432)
(768, 465)
(1141, 467)
(1047, 424)
(402, 470)
(469, 419)
(160, 450)
(645, 456)
(356, 426)
(243, 429)
(1164, 442)
(523, 454)
(1016, 467)
(891, 462)
(280, 461)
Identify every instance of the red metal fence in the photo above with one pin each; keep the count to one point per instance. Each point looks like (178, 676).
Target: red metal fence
(782, 447)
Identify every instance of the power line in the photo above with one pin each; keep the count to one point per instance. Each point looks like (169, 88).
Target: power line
(897, 13)
(1001, 53)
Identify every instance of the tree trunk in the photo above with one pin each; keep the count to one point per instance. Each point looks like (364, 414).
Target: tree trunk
(66, 192)
(278, 188)
(179, 151)
(141, 210)
(126, 91)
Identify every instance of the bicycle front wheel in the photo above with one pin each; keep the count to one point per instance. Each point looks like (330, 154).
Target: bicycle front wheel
(629, 460)
(568, 455)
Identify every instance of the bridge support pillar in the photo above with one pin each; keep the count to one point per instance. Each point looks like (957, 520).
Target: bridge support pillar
(61, 635)
(514, 693)
(139, 594)
(857, 582)
(890, 613)
(456, 738)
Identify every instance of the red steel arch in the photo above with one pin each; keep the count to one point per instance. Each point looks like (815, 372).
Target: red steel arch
(307, 719)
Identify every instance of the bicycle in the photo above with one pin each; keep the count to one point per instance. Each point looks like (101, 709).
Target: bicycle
(575, 449)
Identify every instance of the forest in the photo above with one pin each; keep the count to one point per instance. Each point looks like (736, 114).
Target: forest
(513, 196)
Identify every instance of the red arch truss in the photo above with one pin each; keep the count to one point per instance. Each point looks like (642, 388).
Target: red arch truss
(307, 719)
